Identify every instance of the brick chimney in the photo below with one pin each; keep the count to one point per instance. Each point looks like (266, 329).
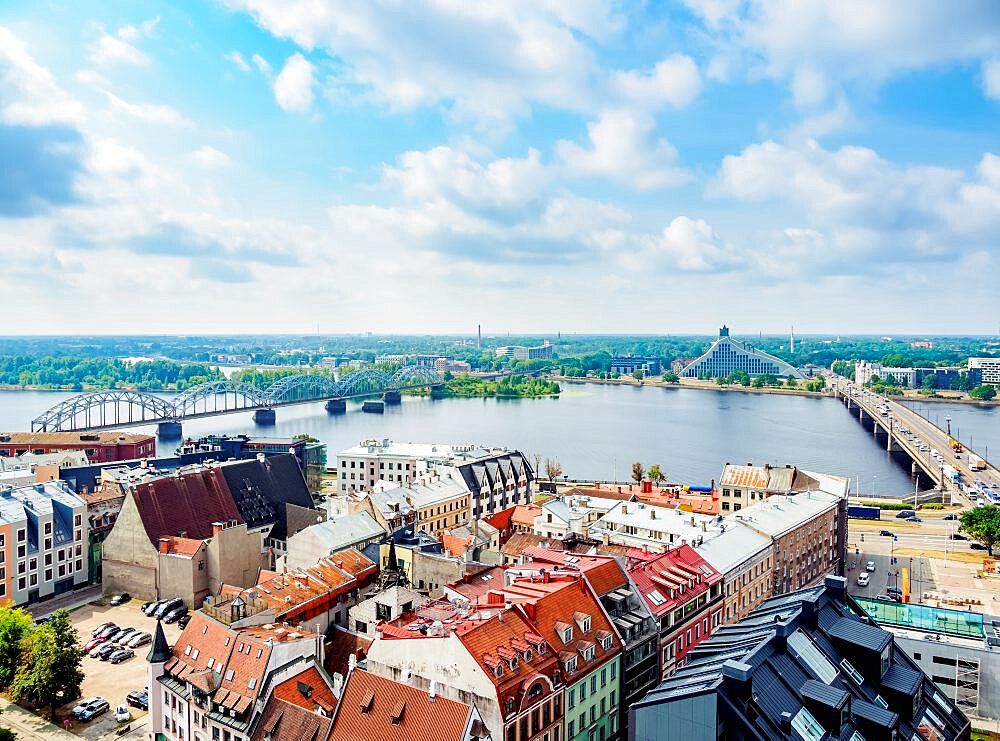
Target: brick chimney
(165, 545)
(647, 486)
(217, 527)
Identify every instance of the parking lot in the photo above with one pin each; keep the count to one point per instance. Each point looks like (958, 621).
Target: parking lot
(113, 681)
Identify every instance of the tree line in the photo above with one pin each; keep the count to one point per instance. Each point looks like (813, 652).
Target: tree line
(86, 373)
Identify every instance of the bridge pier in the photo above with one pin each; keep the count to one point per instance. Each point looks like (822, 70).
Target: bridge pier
(336, 406)
(392, 397)
(264, 417)
(437, 392)
(170, 430)
(373, 407)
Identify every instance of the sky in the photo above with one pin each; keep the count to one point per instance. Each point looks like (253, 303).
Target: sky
(261, 166)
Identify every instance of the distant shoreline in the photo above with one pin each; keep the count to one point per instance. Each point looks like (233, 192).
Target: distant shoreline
(691, 384)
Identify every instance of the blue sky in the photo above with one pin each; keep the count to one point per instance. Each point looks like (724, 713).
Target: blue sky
(530, 165)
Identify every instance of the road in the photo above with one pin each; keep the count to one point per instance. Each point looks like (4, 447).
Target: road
(881, 550)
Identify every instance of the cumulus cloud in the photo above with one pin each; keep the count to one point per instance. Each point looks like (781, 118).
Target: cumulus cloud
(487, 61)
(293, 87)
(686, 244)
(121, 47)
(211, 157)
(261, 64)
(673, 81)
(155, 113)
(991, 78)
(29, 94)
(623, 147)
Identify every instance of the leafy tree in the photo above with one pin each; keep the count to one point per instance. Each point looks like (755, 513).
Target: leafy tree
(655, 474)
(983, 393)
(15, 625)
(790, 382)
(982, 524)
(552, 469)
(637, 374)
(671, 377)
(50, 673)
(930, 382)
(638, 472)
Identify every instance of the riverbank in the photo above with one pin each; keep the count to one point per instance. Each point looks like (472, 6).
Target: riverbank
(693, 383)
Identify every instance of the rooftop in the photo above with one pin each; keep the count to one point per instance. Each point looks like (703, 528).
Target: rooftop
(673, 578)
(74, 438)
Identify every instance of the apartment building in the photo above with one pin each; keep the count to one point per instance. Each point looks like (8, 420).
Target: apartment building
(43, 542)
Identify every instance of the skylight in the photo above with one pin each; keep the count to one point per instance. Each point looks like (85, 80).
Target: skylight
(802, 648)
(807, 726)
(656, 598)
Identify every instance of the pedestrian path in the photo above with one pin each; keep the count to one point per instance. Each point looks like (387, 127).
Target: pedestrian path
(68, 601)
(27, 725)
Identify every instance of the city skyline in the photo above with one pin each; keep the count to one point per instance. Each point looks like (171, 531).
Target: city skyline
(251, 166)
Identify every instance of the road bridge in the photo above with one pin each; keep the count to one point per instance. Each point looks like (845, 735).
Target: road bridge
(889, 418)
(116, 408)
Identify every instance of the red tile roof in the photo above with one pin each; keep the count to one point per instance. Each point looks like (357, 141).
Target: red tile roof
(308, 689)
(354, 562)
(374, 708)
(187, 547)
(339, 647)
(676, 576)
(282, 720)
(524, 515)
(330, 577)
(455, 545)
(603, 572)
(184, 505)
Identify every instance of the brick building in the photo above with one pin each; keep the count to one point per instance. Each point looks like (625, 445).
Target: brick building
(100, 447)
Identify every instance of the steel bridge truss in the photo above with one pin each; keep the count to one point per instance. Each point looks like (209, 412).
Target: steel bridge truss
(115, 407)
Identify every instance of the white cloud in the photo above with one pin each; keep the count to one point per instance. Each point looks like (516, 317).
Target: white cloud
(686, 244)
(991, 78)
(487, 61)
(673, 81)
(293, 85)
(819, 46)
(238, 61)
(262, 64)
(623, 147)
(120, 47)
(156, 113)
(29, 94)
(211, 157)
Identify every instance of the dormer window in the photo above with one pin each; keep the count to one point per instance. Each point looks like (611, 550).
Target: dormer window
(588, 653)
(606, 643)
(498, 670)
(526, 655)
(570, 665)
(513, 664)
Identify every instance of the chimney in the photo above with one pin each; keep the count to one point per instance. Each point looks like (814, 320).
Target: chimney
(619, 490)
(165, 545)
(692, 522)
(647, 486)
(217, 527)
(652, 514)
(260, 457)
(624, 509)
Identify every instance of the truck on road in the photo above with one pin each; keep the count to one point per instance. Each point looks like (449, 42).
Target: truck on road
(976, 463)
(864, 512)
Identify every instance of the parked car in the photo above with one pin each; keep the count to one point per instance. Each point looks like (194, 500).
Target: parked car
(97, 649)
(109, 631)
(183, 622)
(958, 536)
(122, 714)
(863, 579)
(125, 637)
(120, 599)
(138, 699)
(91, 645)
(139, 639)
(893, 590)
(886, 598)
(148, 608)
(90, 709)
(122, 654)
(105, 651)
(870, 566)
(174, 615)
(166, 606)
(101, 628)
(977, 546)
(904, 514)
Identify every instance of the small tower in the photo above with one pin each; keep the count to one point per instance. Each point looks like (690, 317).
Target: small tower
(159, 654)
(791, 341)
(723, 331)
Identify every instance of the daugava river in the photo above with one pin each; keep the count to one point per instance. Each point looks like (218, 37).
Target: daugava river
(597, 432)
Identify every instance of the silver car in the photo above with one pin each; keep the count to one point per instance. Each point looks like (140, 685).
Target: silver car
(139, 639)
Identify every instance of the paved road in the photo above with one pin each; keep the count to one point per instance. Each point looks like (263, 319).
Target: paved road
(28, 725)
(886, 572)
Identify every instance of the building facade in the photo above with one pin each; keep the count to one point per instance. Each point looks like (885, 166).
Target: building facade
(100, 447)
(984, 371)
(626, 365)
(43, 542)
(727, 355)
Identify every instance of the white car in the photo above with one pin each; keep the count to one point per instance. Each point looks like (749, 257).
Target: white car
(122, 714)
(870, 566)
(863, 579)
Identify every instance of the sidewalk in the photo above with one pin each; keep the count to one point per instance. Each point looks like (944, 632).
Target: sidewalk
(68, 601)
(27, 725)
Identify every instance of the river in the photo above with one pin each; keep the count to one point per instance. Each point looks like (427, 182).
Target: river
(597, 432)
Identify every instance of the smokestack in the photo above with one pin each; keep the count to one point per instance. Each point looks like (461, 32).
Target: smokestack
(791, 341)
(479, 336)
(165, 545)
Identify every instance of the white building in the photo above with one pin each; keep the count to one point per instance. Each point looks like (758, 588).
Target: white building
(987, 370)
(43, 542)
(308, 546)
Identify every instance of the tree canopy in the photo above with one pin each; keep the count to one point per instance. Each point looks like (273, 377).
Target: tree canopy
(15, 624)
(982, 524)
(49, 674)
(638, 472)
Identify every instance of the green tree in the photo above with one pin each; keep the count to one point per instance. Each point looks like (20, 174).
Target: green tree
(637, 374)
(638, 472)
(50, 672)
(982, 524)
(983, 393)
(671, 377)
(790, 382)
(655, 474)
(930, 382)
(15, 625)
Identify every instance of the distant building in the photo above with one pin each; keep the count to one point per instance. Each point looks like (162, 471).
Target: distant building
(809, 665)
(99, 446)
(981, 371)
(391, 359)
(446, 365)
(629, 364)
(679, 364)
(317, 541)
(233, 359)
(865, 373)
(727, 355)
(43, 548)
(522, 352)
(925, 344)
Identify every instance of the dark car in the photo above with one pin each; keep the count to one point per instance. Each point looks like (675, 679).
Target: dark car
(109, 631)
(950, 517)
(905, 514)
(913, 519)
(958, 536)
(183, 622)
(120, 599)
(885, 532)
(94, 709)
(166, 606)
(977, 546)
(122, 654)
(150, 607)
(138, 699)
(101, 628)
(174, 615)
(106, 650)
(893, 590)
